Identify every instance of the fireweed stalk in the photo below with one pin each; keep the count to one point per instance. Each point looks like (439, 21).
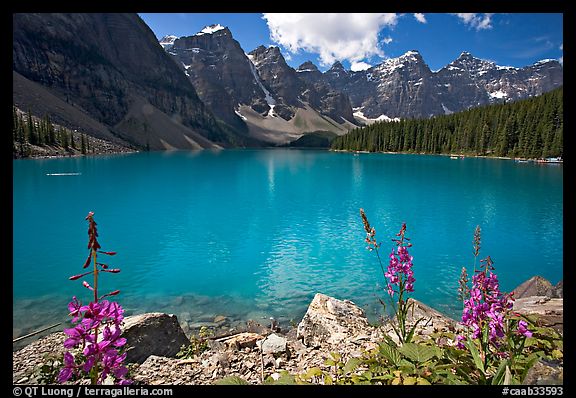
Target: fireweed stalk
(399, 276)
(493, 332)
(97, 331)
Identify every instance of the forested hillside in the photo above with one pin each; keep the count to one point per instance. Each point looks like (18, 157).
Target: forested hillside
(531, 128)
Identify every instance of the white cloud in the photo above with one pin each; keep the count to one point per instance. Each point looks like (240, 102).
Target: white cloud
(561, 59)
(387, 40)
(476, 21)
(333, 36)
(420, 17)
(357, 66)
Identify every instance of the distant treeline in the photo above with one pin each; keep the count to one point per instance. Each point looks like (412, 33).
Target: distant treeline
(29, 130)
(531, 128)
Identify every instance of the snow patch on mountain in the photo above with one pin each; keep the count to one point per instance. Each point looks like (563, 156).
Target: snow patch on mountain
(269, 100)
(210, 29)
(498, 94)
(359, 115)
(545, 61)
(239, 114)
(167, 41)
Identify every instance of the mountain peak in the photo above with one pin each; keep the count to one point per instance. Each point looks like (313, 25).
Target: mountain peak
(167, 41)
(211, 29)
(465, 54)
(412, 55)
(545, 61)
(307, 66)
(337, 66)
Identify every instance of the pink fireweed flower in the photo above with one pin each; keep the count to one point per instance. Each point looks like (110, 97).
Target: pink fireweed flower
(460, 342)
(97, 325)
(69, 368)
(90, 318)
(523, 329)
(488, 307)
(399, 273)
(74, 307)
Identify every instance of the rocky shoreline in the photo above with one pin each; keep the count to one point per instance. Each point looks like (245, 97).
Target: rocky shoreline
(256, 352)
(97, 147)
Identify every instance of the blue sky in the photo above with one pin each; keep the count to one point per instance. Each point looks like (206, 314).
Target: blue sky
(363, 40)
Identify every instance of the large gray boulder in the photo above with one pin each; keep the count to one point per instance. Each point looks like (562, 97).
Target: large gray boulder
(273, 344)
(153, 333)
(548, 311)
(535, 286)
(545, 373)
(430, 319)
(331, 321)
(558, 290)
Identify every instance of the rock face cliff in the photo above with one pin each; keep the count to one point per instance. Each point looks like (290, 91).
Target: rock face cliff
(258, 93)
(111, 69)
(405, 87)
(108, 75)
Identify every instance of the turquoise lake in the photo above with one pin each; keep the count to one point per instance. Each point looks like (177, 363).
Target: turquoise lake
(253, 234)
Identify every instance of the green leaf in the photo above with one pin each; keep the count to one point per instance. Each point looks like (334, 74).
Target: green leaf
(557, 354)
(407, 366)
(312, 372)
(285, 379)
(231, 380)
(417, 352)
(475, 355)
(411, 333)
(498, 378)
(422, 381)
(410, 381)
(351, 365)
(391, 354)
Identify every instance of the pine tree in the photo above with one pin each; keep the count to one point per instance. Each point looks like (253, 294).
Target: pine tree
(30, 130)
(527, 128)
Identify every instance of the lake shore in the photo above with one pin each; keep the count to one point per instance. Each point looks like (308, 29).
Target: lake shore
(255, 352)
(461, 156)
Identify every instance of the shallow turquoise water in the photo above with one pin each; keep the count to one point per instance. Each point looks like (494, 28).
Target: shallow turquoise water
(256, 233)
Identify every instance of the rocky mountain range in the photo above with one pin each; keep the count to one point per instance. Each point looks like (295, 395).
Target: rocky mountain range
(109, 76)
(405, 87)
(260, 88)
(105, 74)
(257, 93)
